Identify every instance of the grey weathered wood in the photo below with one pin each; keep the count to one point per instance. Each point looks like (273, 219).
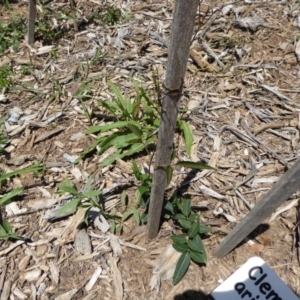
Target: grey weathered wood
(181, 34)
(31, 21)
(288, 184)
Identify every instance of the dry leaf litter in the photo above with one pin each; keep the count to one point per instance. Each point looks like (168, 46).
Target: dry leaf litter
(242, 90)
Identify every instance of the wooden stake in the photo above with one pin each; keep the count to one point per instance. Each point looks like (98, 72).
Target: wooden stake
(288, 184)
(181, 34)
(31, 21)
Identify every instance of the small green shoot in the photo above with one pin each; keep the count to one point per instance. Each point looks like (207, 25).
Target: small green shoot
(190, 243)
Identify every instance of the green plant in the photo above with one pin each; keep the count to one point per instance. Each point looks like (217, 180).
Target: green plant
(111, 16)
(5, 76)
(189, 243)
(11, 33)
(92, 198)
(3, 139)
(136, 122)
(5, 227)
(87, 199)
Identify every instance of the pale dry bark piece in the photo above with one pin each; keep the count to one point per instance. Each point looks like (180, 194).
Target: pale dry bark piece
(54, 272)
(69, 232)
(32, 275)
(11, 247)
(209, 192)
(82, 242)
(24, 263)
(292, 203)
(93, 279)
(47, 135)
(164, 267)
(68, 295)
(115, 245)
(117, 277)
(253, 22)
(5, 295)
(19, 294)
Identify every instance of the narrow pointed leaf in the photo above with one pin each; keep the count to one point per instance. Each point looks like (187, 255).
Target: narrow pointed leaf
(193, 217)
(8, 196)
(179, 239)
(193, 231)
(169, 174)
(185, 224)
(127, 215)
(198, 257)
(194, 165)
(204, 229)
(180, 247)
(136, 215)
(181, 267)
(68, 208)
(179, 217)
(186, 207)
(90, 194)
(188, 136)
(196, 244)
(134, 129)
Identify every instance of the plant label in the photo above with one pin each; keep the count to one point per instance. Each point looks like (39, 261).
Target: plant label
(255, 280)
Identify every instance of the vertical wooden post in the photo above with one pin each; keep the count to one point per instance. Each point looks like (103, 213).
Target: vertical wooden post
(288, 184)
(31, 21)
(182, 29)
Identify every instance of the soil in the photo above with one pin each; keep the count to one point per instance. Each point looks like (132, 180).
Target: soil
(243, 69)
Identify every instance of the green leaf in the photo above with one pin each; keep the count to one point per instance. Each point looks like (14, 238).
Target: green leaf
(188, 136)
(179, 239)
(7, 198)
(204, 229)
(194, 165)
(126, 215)
(179, 217)
(113, 226)
(106, 127)
(186, 207)
(123, 198)
(3, 233)
(119, 227)
(34, 168)
(6, 226)
(196, 244)
(193, 231)
(92, 193)
(181, 267)
(185, 224)
(68, 189)
(134, 129)
(89, 183)
(169, 207)
(193, 217)
(180, 247)
(136, 215)
(135, 148)
(120, 100)
(69, 208)
(198, 257)
(169, 172)
(136, 170)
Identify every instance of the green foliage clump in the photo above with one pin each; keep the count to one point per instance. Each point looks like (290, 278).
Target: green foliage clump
(12, 33)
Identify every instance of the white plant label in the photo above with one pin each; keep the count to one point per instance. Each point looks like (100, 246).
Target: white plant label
(255, 280)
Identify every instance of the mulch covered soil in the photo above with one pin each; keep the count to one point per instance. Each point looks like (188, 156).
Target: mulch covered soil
(242, 89)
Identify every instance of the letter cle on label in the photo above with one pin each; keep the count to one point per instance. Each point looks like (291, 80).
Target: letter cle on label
(255, 280)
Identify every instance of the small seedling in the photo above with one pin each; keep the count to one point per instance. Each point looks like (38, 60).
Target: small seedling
(5, 228)
(189, 243)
